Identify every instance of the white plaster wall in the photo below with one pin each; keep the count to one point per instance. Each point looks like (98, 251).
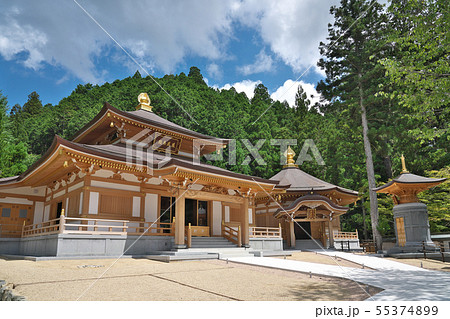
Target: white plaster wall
(76, 186)
(136, 206)
(46, 213)
(59, 193)
(151, 208)
(227, 214)
(12, 200)
(216, 218)
(38, 212)
(115, 186)
(93, 203)
(80, 209)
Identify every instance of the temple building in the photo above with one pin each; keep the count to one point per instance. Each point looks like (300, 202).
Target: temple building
(309, 209)
(133, 183)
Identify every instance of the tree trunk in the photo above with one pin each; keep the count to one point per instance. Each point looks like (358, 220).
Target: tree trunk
(364, 219)
(370, 170)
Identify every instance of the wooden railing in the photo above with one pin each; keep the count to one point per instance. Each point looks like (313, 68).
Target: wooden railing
(10, 230)
(152, 229)
(91, 226)
(345, 235)
(44, 228)
(265, 232)
(232, 232)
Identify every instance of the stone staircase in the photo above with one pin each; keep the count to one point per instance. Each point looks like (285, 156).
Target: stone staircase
(211, 242)
(203, 248)
(308, 244)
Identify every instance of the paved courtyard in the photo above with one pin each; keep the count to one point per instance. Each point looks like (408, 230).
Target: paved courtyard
(400, 281)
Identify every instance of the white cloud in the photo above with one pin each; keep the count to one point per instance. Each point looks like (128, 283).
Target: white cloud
(288, 90)
(214, 71)
(263, 63)
(246, 86)
(292, 28)
(15, 39)
(158, 33)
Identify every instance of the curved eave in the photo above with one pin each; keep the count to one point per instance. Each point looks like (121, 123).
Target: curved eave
(182, 164)
(322, 189)
(60, 146)
(392, 186)
(108, 108)
(257, 182)
(316, 199)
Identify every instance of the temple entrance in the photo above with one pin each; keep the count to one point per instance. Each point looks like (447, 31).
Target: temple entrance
(304, 233)
(196, 214)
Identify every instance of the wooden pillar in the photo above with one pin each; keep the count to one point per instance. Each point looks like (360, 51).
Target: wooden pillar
(291, 233)
(179, 219)
(245, 223)
(330, 233)
(86, 196)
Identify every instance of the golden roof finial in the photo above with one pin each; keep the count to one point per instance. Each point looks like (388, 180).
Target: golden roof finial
(403, 165)
(144, 102)
(289, 154)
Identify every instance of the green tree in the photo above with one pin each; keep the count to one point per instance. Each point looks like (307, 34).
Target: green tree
(352, 74)
(33, 106)
(14, 158)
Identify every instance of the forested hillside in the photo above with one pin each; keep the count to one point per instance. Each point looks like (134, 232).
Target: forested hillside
(400, 119)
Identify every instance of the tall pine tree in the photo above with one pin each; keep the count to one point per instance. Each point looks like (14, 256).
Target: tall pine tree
(355, 41)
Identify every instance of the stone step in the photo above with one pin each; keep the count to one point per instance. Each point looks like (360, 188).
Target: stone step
(307, 244)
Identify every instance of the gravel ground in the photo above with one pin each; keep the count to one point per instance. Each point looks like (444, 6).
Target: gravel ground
(142, 279)
(426, 263)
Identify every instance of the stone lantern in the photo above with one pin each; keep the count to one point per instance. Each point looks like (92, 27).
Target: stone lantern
(412, 228)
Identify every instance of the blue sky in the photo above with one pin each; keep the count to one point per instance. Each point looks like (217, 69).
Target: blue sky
(50, 47)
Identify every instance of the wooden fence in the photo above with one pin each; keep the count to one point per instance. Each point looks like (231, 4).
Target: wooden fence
(93, 226)
(340, 235)
(265, 232)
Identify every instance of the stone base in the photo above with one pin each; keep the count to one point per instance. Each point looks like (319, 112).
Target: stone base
(271, 244)
(412, 248)
(67, 245)
(417, 228)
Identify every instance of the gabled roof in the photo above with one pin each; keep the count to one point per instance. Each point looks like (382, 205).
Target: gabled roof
(301, 181)
(146, 118)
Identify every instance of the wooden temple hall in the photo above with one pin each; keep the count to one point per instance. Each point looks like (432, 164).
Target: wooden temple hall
(135, 175)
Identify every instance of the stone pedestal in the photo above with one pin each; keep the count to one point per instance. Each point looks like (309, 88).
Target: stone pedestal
(417, 228)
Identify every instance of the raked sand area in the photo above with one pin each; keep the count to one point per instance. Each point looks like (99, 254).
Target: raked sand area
(142, 279)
